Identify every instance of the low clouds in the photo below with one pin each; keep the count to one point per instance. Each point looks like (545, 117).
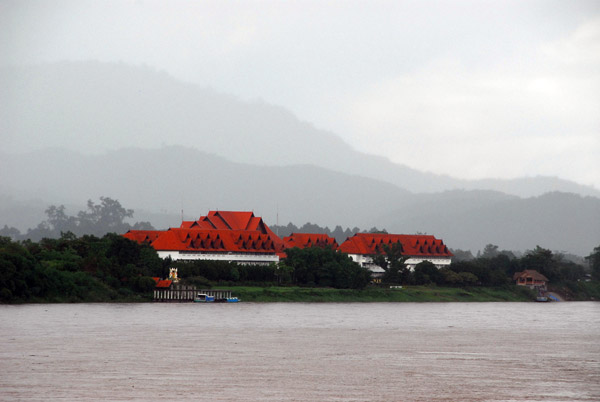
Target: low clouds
(533, 114)
(467, 88)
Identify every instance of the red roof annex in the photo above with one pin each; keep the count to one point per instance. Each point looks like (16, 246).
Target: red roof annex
(303, 240)
(162, 283)
(412, 245)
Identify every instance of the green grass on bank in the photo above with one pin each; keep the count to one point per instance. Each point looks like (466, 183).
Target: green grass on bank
(376, 294)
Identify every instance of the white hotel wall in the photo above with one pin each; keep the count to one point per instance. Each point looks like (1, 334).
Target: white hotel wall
(367, 261)
(242, 258)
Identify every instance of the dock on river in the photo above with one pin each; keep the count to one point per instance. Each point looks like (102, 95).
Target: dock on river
(183, 293)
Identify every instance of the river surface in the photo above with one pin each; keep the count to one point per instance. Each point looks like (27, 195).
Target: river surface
(301, 352)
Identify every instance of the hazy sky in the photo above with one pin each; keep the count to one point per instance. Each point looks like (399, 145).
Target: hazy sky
(468, 88)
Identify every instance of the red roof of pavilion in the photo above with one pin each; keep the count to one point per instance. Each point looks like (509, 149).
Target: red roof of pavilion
(412, 245)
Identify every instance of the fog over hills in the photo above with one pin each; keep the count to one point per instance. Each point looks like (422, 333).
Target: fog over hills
(563, 222)
(175, 178)
(158, 183)
(91, 107)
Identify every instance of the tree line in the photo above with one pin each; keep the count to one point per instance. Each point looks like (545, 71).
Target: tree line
(492, 268)
(313, 266)
(107, 216)
(111, 267)
(71, 269)
(114, 268)
(76, 260)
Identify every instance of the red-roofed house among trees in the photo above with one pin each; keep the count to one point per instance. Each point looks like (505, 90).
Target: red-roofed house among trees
(162, 283)
(362, 247)
(531, 278)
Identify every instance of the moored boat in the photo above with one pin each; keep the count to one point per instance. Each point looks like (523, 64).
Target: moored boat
(204, 298)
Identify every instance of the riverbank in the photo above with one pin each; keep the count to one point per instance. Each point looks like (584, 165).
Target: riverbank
(405, 294)
(415, 294)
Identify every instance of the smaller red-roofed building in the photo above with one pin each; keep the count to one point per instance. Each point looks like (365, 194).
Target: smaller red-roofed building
(162, 284)
(362, 247)
(531, 278)
(304, 240)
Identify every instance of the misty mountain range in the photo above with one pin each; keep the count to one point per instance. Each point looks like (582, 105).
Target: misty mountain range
(181, 147)
(91, 106)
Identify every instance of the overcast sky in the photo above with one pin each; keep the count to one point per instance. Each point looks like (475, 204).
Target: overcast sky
(468, 88)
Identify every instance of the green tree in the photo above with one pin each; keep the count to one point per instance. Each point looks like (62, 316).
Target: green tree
(543, 261)
(393, 264)
(283, 272)
(11, 232)
(490, 251)
(426, 272)
(59, 221)
(315, 266)
(108, 216)
(462, 255)
(451, 278)
(594, 261)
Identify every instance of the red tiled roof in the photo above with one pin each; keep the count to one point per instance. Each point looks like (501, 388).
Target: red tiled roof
(143, 236)
(214, 240)
(530, 273)
(412, 245)
(164, 283)
(303, 240)
(233, 220)
(217, 231)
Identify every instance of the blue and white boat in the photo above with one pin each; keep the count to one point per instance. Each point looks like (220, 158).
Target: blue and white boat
(204, 298)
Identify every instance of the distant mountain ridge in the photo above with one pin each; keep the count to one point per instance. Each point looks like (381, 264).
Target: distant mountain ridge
(158, 184)
(86, 105)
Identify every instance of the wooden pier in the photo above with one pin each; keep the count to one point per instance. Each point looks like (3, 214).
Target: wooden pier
(182, 293)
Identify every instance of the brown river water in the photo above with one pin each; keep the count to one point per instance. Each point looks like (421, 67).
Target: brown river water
(301, 352)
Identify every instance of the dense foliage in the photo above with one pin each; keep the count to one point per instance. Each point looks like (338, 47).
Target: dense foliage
(315, 266)
(320, 267)
(594, 260)
(90, 268)
(205, 273)
(493, 268)
(77, 269)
